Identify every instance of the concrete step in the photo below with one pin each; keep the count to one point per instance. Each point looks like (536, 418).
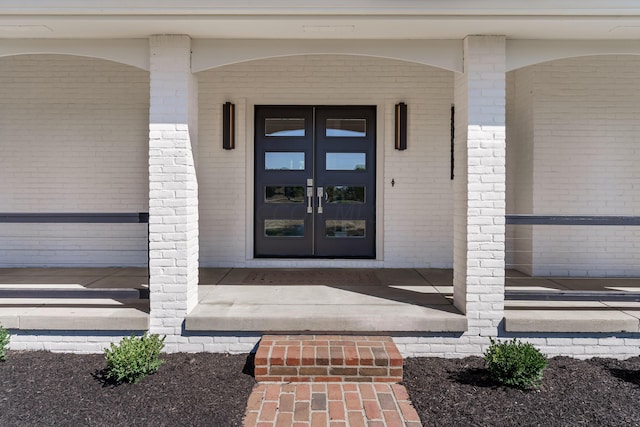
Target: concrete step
(328, 358)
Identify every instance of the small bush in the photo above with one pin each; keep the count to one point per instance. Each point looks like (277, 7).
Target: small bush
(5, 336)
(515, 363)
(134, 358)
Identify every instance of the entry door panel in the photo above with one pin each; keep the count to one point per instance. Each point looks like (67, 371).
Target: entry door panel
(315, 182)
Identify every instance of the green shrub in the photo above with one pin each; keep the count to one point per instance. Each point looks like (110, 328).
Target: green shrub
(134, 358)
(5, 336)
(515, 363)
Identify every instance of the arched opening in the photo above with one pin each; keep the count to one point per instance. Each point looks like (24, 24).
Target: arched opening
(572, 150)
(74, 136)
(414, 212)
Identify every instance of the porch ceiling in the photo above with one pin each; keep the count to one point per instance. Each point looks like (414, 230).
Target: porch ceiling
(356, 19)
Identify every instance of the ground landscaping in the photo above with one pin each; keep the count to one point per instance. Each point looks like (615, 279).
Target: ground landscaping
(459, 392)
(39, 388)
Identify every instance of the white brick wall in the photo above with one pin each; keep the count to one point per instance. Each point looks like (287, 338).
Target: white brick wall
(577, 124)
(417, 211)
(81, 343)
(520, 167)
(73, 133)
(580, 346)
(480, 185)
(173, 186)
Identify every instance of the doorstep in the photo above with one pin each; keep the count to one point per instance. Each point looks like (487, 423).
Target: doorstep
(328, 358)
(309, 308)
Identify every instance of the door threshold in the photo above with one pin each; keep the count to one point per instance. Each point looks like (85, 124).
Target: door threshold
(313, 263)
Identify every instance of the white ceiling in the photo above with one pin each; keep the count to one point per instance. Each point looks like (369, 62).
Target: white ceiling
(327, 19)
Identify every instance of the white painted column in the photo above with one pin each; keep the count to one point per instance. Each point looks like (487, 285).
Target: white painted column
(173, 186)
(479, 187)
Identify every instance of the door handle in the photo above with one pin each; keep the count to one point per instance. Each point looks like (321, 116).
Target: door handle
(320, 193)
(309, 200)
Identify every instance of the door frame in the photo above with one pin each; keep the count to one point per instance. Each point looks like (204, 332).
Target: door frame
(384, 133)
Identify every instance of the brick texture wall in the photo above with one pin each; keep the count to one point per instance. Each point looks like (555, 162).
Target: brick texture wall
(173, 195)
(576, 123)
(417, 212)
(74, 136)
(479, 229)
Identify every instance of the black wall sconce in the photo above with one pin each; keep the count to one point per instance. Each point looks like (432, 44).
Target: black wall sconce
(401, 126)
(228, 126)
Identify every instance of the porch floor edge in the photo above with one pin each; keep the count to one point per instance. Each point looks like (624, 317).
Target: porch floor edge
(323, 319)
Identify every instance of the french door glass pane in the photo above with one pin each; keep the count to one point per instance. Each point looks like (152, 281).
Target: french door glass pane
(283, 161)
(346, 161)
(349, 128)
(284, 127)
(345, 228)
(345, 194)
(283, 228)
(280, 194)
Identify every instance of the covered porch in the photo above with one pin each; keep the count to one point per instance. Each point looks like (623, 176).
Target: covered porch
(499, 122)
(340, 300)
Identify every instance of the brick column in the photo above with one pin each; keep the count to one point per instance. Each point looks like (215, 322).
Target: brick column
(479, 187)
(173, 186)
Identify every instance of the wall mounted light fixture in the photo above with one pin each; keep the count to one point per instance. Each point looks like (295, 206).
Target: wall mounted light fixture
(228, 126)
(401, 126)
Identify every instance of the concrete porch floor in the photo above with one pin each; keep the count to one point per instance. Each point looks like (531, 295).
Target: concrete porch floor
(77, 313)
(324, 300)
(317, 300)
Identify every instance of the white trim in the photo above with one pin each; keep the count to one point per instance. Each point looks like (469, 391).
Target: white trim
(209, 53)
(382, 110)
(134, 52)
(521, 53)
(250, 142)
(320, 7)
(313, 263)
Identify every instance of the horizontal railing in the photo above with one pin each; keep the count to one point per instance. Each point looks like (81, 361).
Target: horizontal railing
(51, 218)
(554, 248)
(571, 220)
(38, 248)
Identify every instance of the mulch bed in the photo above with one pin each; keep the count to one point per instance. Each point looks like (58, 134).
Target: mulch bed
(204, 389)
(46, 389)
(459, 392)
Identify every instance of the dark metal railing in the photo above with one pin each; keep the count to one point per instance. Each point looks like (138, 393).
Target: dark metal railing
(50, 218)
(77, 218)
(571, 220)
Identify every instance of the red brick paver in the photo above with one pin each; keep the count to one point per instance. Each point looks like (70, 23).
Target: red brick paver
(357, 406)
(329, 381)
(328, 358)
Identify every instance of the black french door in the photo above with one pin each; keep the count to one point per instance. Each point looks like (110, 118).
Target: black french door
(315, 181)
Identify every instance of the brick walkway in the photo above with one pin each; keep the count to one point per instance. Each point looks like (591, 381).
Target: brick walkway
(328, 399)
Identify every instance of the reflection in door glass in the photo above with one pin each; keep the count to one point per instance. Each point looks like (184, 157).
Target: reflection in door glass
(345, 194)
(284, 127)
(284, 194)
(283, 228)
(283, 161)
(349, 128)
(346, 161)
(345, 228)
